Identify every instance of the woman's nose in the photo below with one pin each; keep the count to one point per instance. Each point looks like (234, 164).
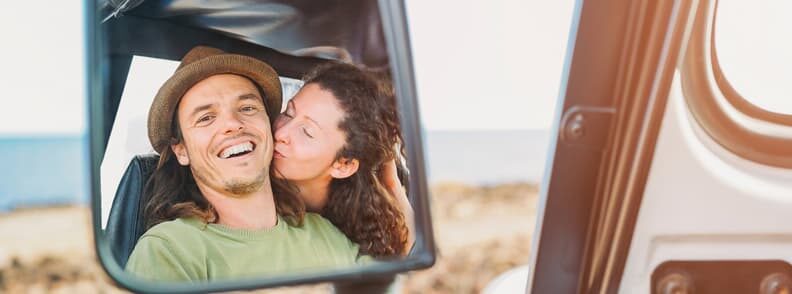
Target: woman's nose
(281, 131)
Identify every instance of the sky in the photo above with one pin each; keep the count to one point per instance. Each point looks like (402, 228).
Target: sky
(754, 47)
(480, 65)
(488, 64)
(42, 76)
(485, 81)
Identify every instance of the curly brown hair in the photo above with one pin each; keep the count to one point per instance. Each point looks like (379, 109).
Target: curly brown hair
(359, 205)
(391, 120)
(171, 191)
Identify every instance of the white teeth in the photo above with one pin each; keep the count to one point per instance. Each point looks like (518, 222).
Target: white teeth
(236, 149)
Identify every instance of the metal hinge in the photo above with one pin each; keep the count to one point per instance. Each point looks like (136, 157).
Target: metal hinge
(586, 126)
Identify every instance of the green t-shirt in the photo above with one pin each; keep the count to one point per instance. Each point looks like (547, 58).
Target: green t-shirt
(187, 249)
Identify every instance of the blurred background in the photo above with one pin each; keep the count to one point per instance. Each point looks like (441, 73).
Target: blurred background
(486, 128)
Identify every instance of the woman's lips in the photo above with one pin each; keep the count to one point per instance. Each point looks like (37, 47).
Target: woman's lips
(277, 154)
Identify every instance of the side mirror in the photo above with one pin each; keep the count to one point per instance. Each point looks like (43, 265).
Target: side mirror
(120, 91)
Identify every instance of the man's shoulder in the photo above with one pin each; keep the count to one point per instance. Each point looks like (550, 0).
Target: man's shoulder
(316, 222)
(175, 230)
(319, 227)
(339, 246)
(172, 250)
(184, 235)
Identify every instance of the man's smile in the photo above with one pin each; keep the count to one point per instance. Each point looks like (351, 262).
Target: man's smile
(237, 150)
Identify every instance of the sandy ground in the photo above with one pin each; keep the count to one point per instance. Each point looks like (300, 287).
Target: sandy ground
(480, 233)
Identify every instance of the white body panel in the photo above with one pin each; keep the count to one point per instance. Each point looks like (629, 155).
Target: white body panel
(704, 203)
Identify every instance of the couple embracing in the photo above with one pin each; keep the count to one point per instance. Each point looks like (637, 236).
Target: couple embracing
(241, 189)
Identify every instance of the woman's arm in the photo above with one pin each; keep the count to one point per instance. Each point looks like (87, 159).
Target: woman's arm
(390, 180)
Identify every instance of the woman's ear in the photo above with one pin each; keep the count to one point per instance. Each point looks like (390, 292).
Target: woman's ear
(181, 154)
(344, 168)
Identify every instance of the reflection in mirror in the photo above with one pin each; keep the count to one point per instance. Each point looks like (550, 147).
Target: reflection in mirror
(225, 194)
(228, 160)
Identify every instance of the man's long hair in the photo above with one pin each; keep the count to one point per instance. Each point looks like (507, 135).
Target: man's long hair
(359, 205)
(171, 193)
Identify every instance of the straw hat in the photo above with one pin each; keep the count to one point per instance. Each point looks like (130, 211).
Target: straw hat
(198, 64)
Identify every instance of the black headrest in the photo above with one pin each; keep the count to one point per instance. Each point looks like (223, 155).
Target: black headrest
(125, 224)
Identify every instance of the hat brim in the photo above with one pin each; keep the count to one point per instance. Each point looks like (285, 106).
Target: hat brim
(161, 113)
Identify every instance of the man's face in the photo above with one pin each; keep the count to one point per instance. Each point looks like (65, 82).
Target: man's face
(226, 134)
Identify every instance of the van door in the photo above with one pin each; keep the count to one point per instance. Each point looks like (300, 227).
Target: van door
(664, 176)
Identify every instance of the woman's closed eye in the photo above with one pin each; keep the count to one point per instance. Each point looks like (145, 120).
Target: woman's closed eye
(305, 131)
(289, 114)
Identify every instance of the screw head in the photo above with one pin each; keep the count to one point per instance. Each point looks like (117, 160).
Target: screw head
(675, 283)
(776, 283)
(575, 128)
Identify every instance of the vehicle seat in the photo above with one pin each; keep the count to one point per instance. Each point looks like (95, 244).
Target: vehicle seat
(125, 223)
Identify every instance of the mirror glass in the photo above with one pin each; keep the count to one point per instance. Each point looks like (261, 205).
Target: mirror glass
(250, 145)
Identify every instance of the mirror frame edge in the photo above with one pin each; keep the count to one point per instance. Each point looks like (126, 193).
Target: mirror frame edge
(393, 14)
(424, 256)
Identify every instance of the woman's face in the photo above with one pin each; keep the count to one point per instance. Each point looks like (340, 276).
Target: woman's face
(307, 139)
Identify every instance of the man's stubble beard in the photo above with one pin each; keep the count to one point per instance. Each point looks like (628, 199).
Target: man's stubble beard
(237, 188)
(240, 188)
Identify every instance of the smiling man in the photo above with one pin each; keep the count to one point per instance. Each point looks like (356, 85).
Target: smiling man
(210, 207)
